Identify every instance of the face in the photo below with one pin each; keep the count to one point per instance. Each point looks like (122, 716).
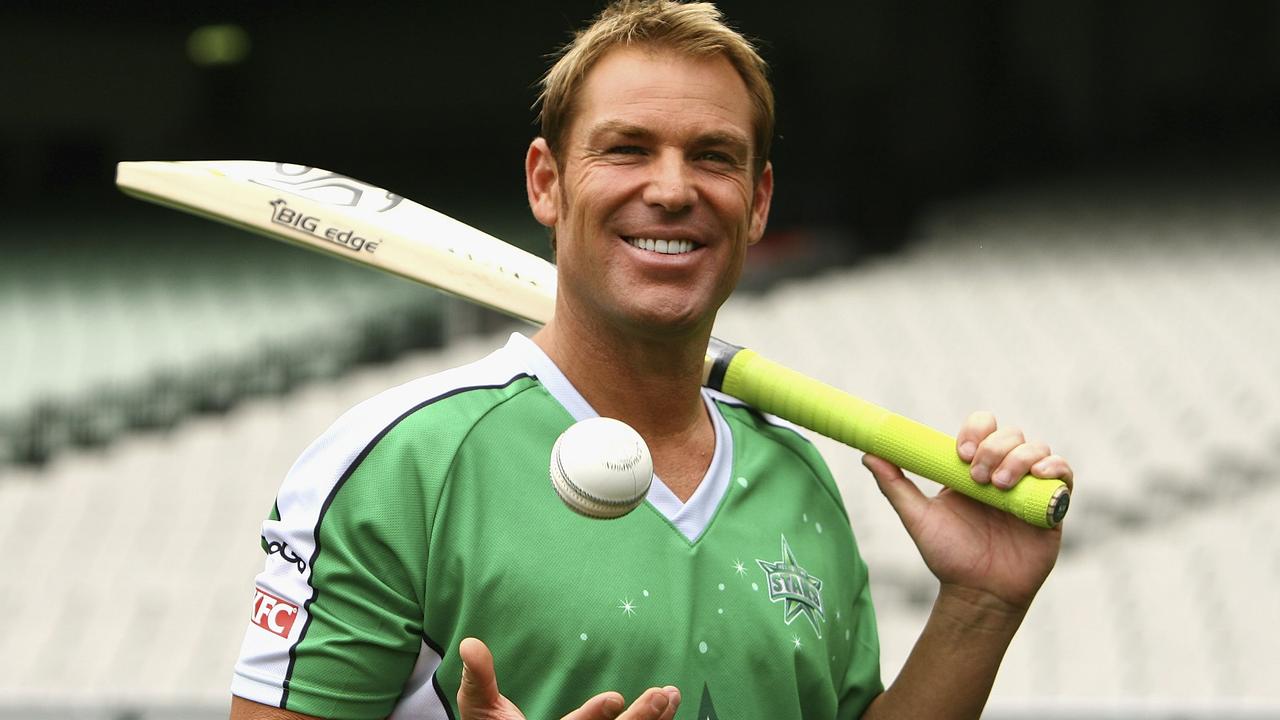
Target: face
(652, 195)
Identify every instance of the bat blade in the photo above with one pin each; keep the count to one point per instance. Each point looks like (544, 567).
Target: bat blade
(354, 221)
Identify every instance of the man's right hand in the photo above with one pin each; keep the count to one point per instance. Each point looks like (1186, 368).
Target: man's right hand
(479, 699)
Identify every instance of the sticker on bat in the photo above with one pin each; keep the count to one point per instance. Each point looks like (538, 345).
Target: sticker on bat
(327, 187)
(282, 214)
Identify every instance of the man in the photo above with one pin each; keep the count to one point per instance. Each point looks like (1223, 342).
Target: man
(421, 530)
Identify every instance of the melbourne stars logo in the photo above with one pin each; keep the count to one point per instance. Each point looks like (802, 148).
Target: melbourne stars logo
(790, 584)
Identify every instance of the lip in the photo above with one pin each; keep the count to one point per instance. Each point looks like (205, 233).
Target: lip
(655, 259)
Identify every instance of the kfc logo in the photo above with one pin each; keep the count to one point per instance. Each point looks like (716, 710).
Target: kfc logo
(272, 613)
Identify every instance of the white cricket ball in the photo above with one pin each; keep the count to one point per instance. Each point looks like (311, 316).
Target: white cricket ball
(601, 467)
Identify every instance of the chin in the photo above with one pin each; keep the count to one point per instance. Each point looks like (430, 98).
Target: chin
(671, 322)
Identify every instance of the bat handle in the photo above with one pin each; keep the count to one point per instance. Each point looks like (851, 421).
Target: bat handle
(790, 395)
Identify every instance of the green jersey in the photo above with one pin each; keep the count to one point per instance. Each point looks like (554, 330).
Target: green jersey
(426, 515)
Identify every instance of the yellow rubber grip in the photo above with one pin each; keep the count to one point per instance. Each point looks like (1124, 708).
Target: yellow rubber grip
(781, 391)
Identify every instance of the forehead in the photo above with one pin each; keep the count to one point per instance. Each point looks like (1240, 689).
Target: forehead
(662, 89)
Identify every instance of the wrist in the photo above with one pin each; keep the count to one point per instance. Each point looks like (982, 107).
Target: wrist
(978, 610)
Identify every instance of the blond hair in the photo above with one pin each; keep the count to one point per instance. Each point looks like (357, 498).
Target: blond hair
(695, 29)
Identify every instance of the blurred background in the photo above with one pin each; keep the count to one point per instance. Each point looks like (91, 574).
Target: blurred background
(1066, 211)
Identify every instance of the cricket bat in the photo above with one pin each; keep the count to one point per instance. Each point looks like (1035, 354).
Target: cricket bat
(349, 219)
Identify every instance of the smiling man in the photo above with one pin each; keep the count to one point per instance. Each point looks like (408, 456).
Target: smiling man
(438, 549)
(654, 199)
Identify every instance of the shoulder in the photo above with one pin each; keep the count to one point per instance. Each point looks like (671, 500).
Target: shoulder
(757, 429)
(448, 398)
(764, 427)
(421, 418)
(348, 539)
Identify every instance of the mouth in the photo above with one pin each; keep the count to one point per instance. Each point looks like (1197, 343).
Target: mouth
(662, 246)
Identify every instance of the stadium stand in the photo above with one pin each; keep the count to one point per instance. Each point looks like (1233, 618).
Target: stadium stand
(143, 325)
(1134, 326)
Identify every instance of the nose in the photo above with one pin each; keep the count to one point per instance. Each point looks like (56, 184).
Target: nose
(670, 186)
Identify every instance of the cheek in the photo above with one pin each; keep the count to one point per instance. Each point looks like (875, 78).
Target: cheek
(731, 197)
(580, 195)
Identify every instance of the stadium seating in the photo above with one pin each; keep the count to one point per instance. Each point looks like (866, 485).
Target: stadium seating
(1134, 328)
(155, 321)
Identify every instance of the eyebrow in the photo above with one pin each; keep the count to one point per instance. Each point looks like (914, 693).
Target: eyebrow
(617, 127)
(715, 138)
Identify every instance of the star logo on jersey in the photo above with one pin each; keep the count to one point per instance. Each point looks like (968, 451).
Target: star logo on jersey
(799, 592)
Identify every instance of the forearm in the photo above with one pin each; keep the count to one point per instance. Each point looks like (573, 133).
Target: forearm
(953, 665)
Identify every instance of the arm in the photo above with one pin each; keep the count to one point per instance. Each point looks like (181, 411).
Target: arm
(953, 665)
(990, 566)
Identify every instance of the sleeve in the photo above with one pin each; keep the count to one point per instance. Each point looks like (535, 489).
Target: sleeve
(336, 622)
(862, 682)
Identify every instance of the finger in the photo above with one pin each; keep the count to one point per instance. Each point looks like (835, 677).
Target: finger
(1054, 466)
(478, 691)
(975, 429)
(605, 706)
(1018, 463)
(992, 451)
(907, 499)
(673, 697)
(654, 704)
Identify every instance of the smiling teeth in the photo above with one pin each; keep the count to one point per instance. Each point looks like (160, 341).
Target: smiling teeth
(666, 247)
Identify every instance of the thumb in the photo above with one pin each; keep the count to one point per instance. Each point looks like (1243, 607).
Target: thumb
(907, 499)
(478, 691)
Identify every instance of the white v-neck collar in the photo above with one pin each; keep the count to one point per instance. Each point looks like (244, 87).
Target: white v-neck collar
(690, 518)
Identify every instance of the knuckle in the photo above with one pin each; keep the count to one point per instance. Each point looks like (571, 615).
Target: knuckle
(992, 446)
(1038, 450)
(1023, 455)
(1005, 441)
(982, 418)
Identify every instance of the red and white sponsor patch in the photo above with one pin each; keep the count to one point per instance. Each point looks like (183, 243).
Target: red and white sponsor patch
(272, 613)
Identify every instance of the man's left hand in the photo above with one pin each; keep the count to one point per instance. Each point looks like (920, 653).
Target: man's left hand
(970, 546)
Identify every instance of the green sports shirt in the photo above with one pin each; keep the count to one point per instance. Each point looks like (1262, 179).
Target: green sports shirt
(426, 515)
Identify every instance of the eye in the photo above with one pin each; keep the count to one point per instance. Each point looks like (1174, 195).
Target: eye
(718, 157)
(626, 150)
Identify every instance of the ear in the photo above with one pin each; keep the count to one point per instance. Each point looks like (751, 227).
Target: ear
(761, 196)
(542, 182)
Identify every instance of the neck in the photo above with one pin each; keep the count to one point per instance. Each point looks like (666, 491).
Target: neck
(649, 382)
